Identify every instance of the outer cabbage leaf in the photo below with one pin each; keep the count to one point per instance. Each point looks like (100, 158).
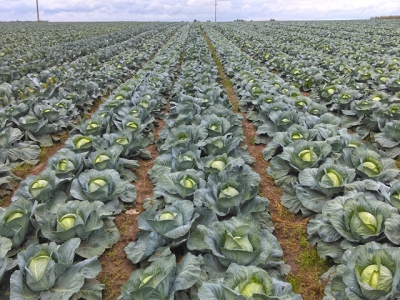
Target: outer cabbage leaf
(367, 272)
(179, 185)
(47, 271)
(239, 240)
(355, 219)
(162, 278)
(106, 185)
(86, 220)
(247, 282)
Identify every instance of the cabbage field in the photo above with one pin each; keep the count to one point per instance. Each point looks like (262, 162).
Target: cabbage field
(221, 161)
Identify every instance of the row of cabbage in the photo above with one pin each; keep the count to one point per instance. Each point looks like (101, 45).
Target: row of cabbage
(384, 33)
(350, 189)
(26, 126)
(206, 234)
(44, 82)
(37, 57)
(15, 40)
(61, 220)
(359, 82)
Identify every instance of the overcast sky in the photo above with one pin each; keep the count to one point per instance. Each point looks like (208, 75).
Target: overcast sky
(188, 10)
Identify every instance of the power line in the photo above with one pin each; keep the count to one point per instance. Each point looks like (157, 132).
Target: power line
(37, 10)
(215, 10)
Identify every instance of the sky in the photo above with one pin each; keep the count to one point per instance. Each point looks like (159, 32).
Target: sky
(189, 10)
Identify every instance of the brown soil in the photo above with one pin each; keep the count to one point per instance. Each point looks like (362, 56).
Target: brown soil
(46, 153)
(116, 267)
(290, 229)
(96, 104)
(44, 156)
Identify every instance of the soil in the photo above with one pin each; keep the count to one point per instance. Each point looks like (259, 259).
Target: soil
(44, 156)
(96, 104)
(268, 188)
(116, 267)
(46, 153)
(290, 229)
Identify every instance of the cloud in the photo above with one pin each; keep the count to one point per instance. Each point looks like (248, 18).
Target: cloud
(188, 10)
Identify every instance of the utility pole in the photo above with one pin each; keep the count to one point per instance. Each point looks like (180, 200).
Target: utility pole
(37, 10)
(215, 10)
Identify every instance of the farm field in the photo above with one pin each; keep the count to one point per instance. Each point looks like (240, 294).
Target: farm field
(242, 160)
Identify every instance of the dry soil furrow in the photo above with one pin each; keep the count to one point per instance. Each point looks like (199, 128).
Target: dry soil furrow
(290, 229)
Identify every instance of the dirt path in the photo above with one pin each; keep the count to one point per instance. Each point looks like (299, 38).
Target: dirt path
(24, 170)
(116, 267)
(290, 229)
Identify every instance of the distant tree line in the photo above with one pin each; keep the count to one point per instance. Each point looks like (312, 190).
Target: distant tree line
(385, 18)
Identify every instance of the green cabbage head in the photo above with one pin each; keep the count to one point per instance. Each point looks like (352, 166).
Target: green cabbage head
(367, 272)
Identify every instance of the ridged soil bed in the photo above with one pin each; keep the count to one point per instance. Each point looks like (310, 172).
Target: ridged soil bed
(116, 267)
(24, 170)
(290, 230)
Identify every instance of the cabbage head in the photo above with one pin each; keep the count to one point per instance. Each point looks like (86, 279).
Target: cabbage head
(47, 271)
(370, 164)
(298, 156)
(318, 185)
(86, 220)
(393, 196)
(179, 159)
(80, 143)
(111, 159)
(169, 226)
(231, 192)
(66, 163)
(163, 278)
(238, 240)
(43, 188)
(281, 139)
(356, 219)
(247, 282)
(15, 221)
(389, 139)
(184, 135)
(179, 185)
(367, 272)
(105, 186)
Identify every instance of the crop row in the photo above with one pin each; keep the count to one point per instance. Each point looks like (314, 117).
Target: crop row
(15, 39)
(14, 66)
(206, 232)
(29, 123)
(42, 82)
(348, 187)
(360, 83)
(61, 220)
